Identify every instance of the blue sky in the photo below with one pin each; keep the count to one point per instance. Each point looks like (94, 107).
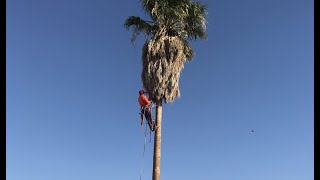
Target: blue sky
(73, 79)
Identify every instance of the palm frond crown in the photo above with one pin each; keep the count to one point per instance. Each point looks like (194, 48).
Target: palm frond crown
(183, 18)
(172, 24)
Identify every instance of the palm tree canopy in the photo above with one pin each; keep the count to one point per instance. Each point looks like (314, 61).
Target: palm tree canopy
(173, 23)
(183, 18)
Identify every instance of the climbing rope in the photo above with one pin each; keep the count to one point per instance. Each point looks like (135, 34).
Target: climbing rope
(144, 148)
(145, 138)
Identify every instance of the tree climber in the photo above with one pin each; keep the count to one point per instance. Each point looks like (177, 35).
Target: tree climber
(145, 109)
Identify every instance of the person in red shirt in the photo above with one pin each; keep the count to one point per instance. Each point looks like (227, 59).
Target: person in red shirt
(144, 103)
(143, 100)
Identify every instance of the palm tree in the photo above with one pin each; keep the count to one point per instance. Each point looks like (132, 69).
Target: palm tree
(172, 24)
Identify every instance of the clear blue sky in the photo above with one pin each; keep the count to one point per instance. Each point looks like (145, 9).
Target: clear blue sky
(73, 79)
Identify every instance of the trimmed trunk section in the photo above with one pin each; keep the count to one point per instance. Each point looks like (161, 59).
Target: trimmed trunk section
(157, 143)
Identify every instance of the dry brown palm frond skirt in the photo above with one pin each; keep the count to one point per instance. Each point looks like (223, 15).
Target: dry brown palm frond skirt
(162, 60)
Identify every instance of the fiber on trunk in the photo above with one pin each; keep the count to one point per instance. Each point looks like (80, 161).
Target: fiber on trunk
(162, 60)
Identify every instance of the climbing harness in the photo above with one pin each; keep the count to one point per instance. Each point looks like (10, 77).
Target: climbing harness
(147, 113)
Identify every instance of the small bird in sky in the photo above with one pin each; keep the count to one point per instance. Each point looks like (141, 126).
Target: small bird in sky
(252, 131)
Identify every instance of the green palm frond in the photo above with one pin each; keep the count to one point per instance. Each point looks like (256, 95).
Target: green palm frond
(195, 22)
(169, 13)
(139, 25)
(183, 18)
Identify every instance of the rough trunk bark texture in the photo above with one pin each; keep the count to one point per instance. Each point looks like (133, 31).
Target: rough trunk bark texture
(157, 143)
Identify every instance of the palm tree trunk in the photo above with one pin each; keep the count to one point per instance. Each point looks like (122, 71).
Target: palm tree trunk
(157, 143)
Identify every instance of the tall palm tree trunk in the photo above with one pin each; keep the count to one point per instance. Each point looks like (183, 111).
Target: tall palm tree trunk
(157, 143)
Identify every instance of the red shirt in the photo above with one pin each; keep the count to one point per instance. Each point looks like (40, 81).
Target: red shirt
(143, 101)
